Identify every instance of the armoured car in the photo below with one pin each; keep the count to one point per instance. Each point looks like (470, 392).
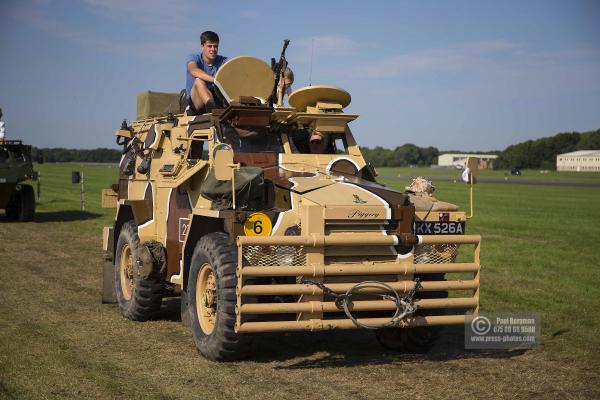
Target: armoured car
(259, 227)
(16, 198)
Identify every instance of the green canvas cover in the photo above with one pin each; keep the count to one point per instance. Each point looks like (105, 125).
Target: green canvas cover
(249, 190)
(154, 104)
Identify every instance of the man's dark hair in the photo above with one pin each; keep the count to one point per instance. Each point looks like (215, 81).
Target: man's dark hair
(209, 36)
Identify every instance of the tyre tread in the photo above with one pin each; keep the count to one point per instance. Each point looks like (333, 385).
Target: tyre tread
(146, 297)
(223, 344)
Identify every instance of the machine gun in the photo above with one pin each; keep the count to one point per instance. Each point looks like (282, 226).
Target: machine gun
(279, 68)
(133, 147)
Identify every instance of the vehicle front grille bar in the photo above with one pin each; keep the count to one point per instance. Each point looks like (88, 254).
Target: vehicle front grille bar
(311, 305)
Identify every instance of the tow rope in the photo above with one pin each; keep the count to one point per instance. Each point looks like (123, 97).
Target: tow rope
(405, 306)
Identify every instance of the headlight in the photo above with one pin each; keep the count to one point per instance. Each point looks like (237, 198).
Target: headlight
(258, 255)
(285, 255)
(274, 255)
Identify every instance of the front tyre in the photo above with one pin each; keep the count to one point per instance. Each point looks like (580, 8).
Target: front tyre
(139, 299)
(212, 298)
(416, 340)
(27, 206)
(13, 208)
(21, 206)
(419, 339)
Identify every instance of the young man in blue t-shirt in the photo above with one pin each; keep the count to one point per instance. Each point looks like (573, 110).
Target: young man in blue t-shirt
(201, 69)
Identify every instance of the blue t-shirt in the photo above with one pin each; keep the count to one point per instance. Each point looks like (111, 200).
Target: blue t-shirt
(209, 69)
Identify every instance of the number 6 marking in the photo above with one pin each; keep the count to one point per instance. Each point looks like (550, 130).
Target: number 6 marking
(258, 224)
(257, 227)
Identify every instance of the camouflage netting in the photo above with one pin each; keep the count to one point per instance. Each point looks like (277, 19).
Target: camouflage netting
(154, 104)
(249, 190)
(420, 192)
(421, 186)
(430, 203)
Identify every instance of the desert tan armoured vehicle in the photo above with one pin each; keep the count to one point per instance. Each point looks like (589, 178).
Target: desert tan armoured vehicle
(16, 198)
(260, 230)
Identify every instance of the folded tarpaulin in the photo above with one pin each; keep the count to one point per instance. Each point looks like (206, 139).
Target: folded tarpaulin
(154, 104)
(249, 189)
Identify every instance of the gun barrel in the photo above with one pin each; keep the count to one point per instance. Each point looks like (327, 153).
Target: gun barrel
(278, 68)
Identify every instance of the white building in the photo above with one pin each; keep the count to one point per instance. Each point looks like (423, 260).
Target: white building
(580, 161)
(459, 160)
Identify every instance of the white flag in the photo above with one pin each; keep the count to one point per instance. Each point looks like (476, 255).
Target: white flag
(465, 175)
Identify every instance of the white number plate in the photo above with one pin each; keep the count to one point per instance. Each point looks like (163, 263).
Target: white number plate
(440, 228)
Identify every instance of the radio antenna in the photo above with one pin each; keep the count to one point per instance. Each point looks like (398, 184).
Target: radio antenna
(312, 52)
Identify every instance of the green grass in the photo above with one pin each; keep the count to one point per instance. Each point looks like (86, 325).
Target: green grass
(527, 174)
(539, 254)
(60, 196)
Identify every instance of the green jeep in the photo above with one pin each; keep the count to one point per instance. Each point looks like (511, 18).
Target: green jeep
(18, 200)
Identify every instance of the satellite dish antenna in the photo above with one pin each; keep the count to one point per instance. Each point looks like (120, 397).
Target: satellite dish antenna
(245, 76)
(311, 95)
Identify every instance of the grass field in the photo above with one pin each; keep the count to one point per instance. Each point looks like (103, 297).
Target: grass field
(540, 176)
(539, 254)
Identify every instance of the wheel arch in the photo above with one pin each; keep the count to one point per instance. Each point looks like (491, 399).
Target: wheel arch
(200, 225)
(124, 214)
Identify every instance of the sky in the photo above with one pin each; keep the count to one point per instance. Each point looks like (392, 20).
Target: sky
(457, 75)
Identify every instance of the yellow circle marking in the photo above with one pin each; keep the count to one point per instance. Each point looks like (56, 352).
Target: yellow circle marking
(258, 224)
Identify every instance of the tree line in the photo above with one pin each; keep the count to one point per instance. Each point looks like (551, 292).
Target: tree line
(401, 156)
(59, 154)
(539, 153)
(407, 155)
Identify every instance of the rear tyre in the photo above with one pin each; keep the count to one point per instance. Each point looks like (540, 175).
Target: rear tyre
(212, 299)
(139, 299)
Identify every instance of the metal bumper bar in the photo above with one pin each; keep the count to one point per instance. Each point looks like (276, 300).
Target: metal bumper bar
(361, 305)
(315, 240)
(321, 325)
(402, 286)
(360, 269)
(307, 312)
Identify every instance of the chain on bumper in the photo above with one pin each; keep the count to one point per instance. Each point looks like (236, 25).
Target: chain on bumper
(405, 306)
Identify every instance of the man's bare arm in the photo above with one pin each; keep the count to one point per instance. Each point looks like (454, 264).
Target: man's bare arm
(198, 73)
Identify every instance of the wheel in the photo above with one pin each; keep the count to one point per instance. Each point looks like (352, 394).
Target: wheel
(21, 206)
(418, 339)
(212, 299)
(409, 340)
(13, 208)
(139, 299)
(27, 204)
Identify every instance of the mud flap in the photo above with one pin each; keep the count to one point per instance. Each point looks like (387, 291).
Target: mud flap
(185, 312)
(108, 282)
(108, 268)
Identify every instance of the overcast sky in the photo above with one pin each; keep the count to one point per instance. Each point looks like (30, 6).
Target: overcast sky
(469, 75)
